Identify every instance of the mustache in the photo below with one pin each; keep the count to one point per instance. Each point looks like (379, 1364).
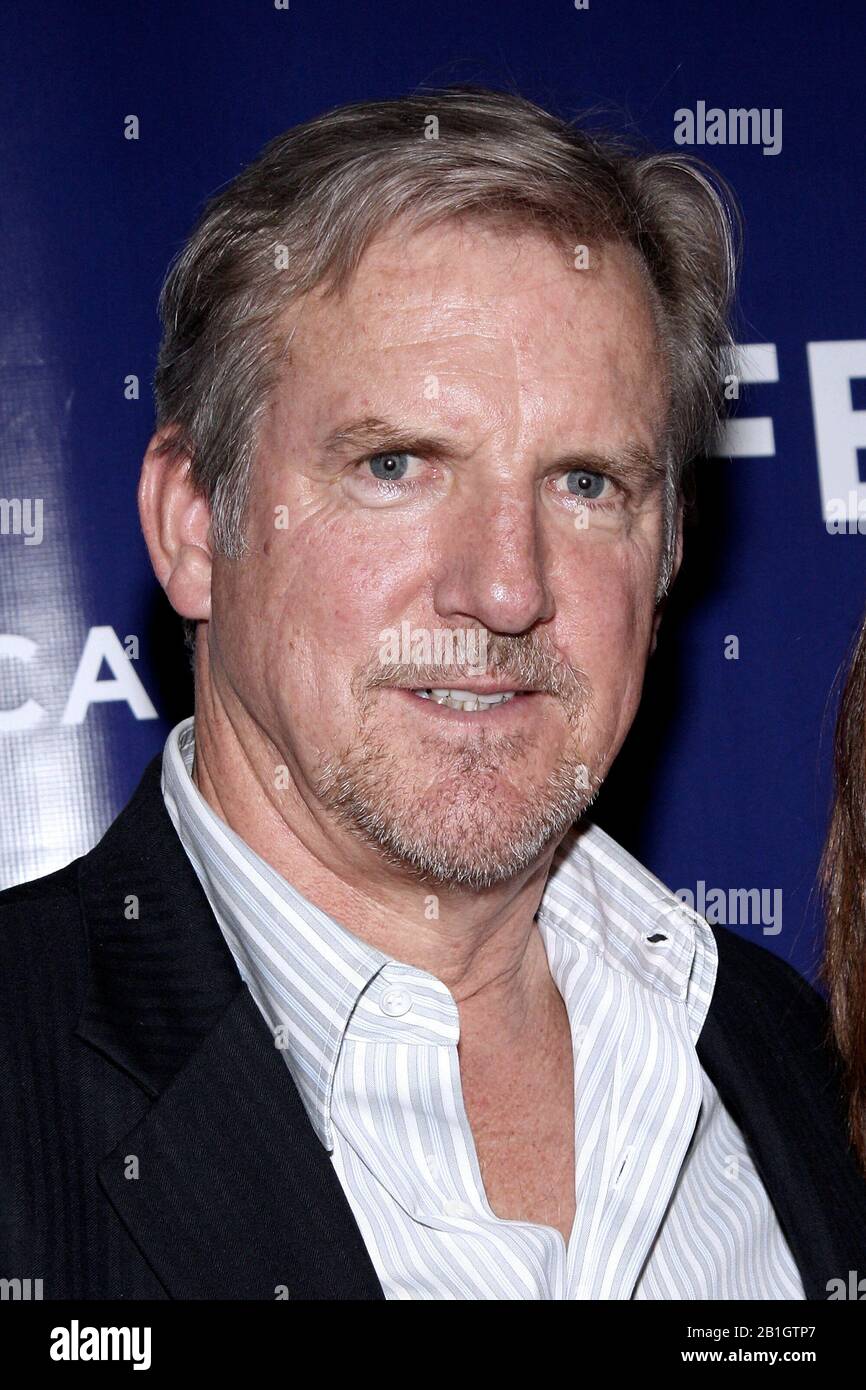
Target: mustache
(525, 659)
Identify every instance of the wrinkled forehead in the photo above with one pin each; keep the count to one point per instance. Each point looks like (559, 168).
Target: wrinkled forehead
(466, 270)
(468, 303)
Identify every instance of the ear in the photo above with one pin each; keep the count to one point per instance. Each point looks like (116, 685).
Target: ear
(678, 559)
(176, 521)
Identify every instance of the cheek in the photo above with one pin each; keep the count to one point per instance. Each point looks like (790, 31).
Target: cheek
(313, 597)
(607, 634)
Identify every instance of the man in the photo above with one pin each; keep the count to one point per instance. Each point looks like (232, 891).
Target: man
(352, 1001)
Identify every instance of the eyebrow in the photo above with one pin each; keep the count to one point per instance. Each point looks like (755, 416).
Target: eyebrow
(372, 433)
(633, 465)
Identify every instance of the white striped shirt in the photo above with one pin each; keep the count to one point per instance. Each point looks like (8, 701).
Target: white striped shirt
(669, 1205)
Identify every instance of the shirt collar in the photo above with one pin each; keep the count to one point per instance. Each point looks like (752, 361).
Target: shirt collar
(308, 973)
(304, 970)
(599, 894)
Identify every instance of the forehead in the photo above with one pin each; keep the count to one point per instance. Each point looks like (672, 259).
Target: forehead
(482, 308)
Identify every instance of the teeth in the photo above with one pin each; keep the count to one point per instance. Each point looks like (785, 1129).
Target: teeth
(466, 699)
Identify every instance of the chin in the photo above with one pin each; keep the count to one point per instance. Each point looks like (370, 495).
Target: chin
(474, 830)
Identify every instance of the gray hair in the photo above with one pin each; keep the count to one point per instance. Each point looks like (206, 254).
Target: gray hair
(303, 213)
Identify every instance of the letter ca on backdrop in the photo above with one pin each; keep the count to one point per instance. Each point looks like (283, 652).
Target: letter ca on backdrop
(102, 645)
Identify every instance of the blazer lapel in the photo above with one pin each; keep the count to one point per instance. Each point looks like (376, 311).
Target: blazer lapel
(223, 1183)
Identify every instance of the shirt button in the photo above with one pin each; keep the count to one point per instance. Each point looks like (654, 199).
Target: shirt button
(396, 1001)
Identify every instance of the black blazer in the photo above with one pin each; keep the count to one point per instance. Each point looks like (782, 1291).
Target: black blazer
(132, 1046)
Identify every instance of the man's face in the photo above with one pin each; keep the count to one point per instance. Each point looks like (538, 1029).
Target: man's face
(430, 462)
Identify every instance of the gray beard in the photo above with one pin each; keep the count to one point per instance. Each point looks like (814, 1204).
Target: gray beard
(477, 844)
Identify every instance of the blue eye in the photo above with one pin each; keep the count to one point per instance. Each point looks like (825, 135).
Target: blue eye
(584, 484)
(389, 467)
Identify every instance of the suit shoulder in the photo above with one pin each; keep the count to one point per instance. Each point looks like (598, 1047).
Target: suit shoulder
(764, 981)
(49, 896)
(41, 933)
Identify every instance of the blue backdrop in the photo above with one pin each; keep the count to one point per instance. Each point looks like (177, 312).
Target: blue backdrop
(724, 781)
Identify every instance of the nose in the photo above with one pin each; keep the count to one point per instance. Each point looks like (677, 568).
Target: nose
(492, 568)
